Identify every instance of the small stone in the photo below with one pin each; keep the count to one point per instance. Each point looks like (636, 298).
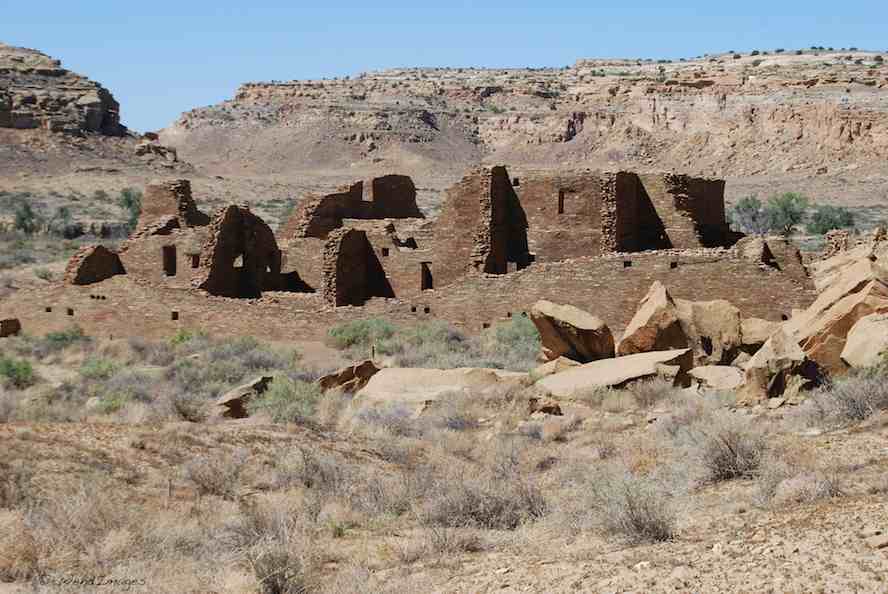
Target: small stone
(879, 541)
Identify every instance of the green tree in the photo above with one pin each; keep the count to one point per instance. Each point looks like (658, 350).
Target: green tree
(27, 219)
(826, 218)
(785, 212)
(130, 200)
(748, 216)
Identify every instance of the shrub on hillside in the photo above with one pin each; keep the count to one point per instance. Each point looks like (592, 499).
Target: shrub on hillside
(827, 218)
(848, 400)
(17, 372)
(785, 212)
(634, 506)
(723, 446)
(287, 400)
(748, 216)
(360, 333)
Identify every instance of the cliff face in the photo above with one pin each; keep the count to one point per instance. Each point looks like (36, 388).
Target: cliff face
(36, 92)
(753, 116)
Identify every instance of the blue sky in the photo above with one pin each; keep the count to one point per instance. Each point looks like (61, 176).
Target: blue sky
(160, 58)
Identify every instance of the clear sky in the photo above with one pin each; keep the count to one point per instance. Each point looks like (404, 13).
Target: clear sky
(160, 57)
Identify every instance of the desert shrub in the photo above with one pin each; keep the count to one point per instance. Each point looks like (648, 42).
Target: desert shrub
(724, 446)
(633, 506)
(826, 218)
(360, 333)
(650, 392)
(779, 482)
(53, 342)
(130, 200)
(26, 219)
(748, 216)
(287, 400)
(17, 372)
(188, 406)
(153, 353)
(514, 344)
(218, 475)
(128, 384)
(785, 211)
(97, 368)
(848, 400)
(184, 335)
(43, 274)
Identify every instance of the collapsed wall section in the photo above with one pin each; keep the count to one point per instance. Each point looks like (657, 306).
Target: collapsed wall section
(92, 264)
(352, 272)
(165, 199)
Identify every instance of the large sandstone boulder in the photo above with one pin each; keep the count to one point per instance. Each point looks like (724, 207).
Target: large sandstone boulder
(618, 372)
(349, 379)
(233, 404)
(566, 331)
(823, 338)
(713, 329)
(754, 332)
(717, 377)
(780, 369)
(554, 366)
(656, 325)
(416, 387)
(867, 342)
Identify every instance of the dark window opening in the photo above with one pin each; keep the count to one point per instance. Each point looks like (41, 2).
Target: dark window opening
(169, 260)
(427, 309)
(70, 312)
(516, 182)
(195, 260)
(413, 309)
(627, 263)
(48, 310)
(673, 265)
(560, 201)
(385, 252)
(174, 315)
(426, 282)
(784, 317)
(508, 314)
(485, 325)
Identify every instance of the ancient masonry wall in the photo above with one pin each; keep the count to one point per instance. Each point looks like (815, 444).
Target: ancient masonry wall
(171, 259)
(391, 197)
(171, 199)
(92, 264)
(352, 273)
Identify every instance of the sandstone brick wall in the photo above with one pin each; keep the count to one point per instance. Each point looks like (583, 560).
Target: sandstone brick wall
(92, 264)
(352, 273)
(391, 197)
(143, 256)
(170, 198)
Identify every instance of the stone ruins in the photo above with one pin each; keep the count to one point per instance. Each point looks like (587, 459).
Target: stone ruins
(597, 240)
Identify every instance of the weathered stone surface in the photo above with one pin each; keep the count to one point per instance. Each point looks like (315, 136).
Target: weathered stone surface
(617, 372)
(712, 329)
(656, 325)
(36, 92)
(233, 404)
(546, 406)
(824, 337)
(352, 272)
(414, 387)
(349, 379)
(718, 377)
(92, 264)
(779, 369)
(554, 366)
(566, 331)
(867, 341)
(10, 327)
(754, 332)
(171, 198)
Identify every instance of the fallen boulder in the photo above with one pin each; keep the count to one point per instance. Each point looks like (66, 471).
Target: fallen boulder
(780, 369)
(717, 377)
(712, 329)
(554, 366)
(656, 325)
(233, 404)
(618, 372)
(867, 342)
(349, 379)
(566, 331)
(754, 332)
(416, 387)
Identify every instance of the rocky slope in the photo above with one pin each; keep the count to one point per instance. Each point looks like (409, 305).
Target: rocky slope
(815, 122)
(36, 92)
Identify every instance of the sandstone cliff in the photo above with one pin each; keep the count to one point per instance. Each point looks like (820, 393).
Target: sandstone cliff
(753, 119)
(36, 92)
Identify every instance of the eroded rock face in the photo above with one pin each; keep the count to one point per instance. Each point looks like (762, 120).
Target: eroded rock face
(36, 92)
(754, 332)
(349, 379)
(656, 325)
(238, 236)
(713, 329)
(780, 369)
(92, 264)
(571, 332)
(233, 404)
(867, 342)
